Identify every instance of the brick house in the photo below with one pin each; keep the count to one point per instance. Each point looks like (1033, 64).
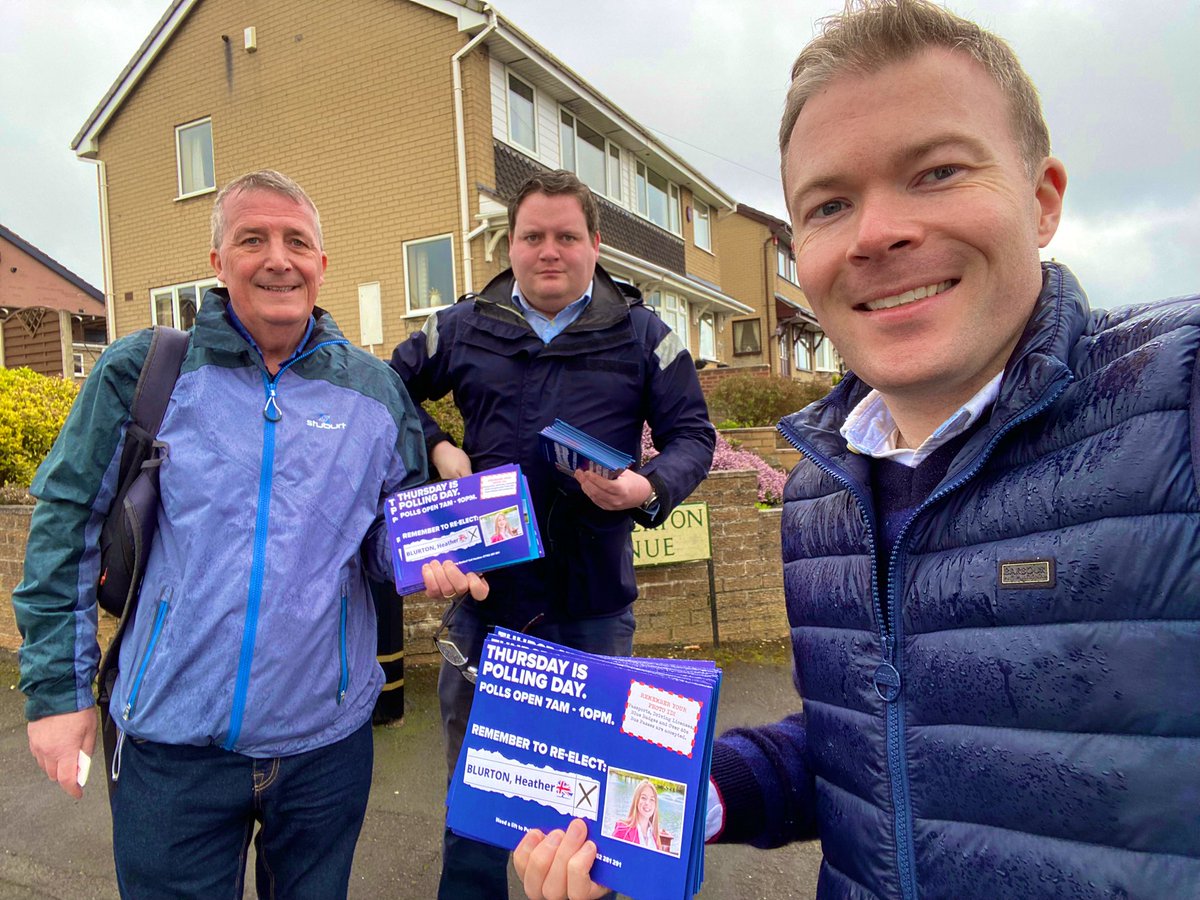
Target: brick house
(782, 334)
(51, 320)
(410, 122)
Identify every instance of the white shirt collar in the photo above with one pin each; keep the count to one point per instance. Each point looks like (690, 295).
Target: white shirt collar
(871, 430)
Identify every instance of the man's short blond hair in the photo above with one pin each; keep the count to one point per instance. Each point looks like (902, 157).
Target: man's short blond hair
(871, 34)
(262, 180)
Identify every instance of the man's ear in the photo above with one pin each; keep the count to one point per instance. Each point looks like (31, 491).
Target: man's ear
(1049, 188)
(214, 260)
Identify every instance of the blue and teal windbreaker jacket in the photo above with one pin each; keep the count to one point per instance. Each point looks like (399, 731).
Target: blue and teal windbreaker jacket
(1025, 723)
(256, 629)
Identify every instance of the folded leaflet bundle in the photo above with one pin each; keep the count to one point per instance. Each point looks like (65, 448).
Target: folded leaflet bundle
(570, 449)
(623, 744)
(480, 522)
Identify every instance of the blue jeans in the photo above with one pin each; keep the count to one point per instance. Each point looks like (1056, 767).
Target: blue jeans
(183, 817)
(472, 870)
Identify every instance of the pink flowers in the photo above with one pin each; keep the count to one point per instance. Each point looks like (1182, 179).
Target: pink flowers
(727, 459)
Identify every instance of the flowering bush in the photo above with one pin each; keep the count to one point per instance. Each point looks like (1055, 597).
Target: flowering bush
(727, 459)
(33, 408)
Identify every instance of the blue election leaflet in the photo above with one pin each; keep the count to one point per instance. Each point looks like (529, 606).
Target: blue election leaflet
(623, 744)
(480, 522)
(570, 449)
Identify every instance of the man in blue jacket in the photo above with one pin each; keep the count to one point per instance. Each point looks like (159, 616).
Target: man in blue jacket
(992, 545)
(248, 677)
(554, 337)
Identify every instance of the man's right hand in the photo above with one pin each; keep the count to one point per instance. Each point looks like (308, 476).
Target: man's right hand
(55, 742)
(445, 580)
(450, 461)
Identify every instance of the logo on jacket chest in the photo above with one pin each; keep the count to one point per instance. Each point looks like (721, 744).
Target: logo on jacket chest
(1026, 573)
(324, 421)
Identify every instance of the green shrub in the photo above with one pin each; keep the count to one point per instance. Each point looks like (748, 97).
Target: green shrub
(756, 400)
(33, 408)
(446, 414)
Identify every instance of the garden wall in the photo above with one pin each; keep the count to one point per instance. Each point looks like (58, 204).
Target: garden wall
(674, 606)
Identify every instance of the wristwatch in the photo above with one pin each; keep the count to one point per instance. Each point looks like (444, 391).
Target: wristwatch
(651, 502)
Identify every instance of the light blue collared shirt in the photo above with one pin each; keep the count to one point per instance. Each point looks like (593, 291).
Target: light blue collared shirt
(548, 329)
(871, 430)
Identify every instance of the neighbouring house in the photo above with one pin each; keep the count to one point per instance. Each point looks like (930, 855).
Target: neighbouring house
(411, 122)
(758, 266)
(51, 320)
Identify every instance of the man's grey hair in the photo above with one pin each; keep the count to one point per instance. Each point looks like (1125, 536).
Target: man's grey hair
(871, 34)
(262, 180)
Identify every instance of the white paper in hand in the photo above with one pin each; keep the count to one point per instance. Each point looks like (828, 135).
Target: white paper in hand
(85, 768)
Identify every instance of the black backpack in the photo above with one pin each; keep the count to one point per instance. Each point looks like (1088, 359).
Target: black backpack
(128, 530)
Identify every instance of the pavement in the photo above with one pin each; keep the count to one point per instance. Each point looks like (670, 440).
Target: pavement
(56, 848)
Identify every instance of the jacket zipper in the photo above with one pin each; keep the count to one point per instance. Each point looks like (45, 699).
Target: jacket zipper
(888, 682)
(344, 679)
(272, 414)
(160, 616)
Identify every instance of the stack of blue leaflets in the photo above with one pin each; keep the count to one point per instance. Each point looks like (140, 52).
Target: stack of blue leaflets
(623, 744)
(480, 522)
(570, 449)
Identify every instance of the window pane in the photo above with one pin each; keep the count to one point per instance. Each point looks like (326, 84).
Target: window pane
(708, 337)
(187, 307)
(614, 172)
(591, 158)
(639, 185)
(520, 114)
(196, 158)
(673, 210)
(700, 227)
(566, 139)
(747, 336)
(781, 267)
(164, 314)
(657, 194)
(430, 274)
(801, 354)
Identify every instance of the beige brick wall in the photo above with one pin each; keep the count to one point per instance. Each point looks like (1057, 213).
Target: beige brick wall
(701, 263)
(353, 99)
(744, 277)
(674, 606)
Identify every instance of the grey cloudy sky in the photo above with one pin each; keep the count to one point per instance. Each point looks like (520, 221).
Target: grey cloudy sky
(1119, 84)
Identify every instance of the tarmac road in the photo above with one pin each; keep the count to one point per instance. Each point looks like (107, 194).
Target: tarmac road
(55, 848)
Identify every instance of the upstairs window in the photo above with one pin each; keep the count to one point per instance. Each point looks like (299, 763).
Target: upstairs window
(701, 226)
(194, 155)
(585, 152)
(522, 120)
(657, 199)
(786, 263)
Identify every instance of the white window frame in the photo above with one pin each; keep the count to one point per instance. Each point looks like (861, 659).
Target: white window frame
(672, 309)
(77, 364)
(412, 311)
(709, 321)
(509, 77)
(785, 265)
(200, 287)
(612, 154)
(825, 358)
(802, 355)
(179, 130)
(701, 213)
(641, 204)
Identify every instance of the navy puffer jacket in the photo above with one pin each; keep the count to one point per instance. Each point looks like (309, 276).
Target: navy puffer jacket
(1026, 723)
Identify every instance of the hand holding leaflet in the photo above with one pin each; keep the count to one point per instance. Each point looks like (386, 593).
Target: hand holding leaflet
(622, 744)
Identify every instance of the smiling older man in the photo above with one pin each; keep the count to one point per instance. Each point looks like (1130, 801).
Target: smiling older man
(248, 677)
(992, 545)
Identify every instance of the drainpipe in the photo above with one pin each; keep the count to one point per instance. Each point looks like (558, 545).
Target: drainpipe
(110, 305)
(460, 149)
(769, 251)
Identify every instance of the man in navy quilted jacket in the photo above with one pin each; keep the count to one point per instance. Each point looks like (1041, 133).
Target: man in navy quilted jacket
(992, 544)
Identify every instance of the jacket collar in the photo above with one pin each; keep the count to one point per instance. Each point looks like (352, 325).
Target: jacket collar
(215, 330)
(1037, 369)
(610, 301)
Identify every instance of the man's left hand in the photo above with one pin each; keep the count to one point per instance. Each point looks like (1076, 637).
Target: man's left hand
(627, 491)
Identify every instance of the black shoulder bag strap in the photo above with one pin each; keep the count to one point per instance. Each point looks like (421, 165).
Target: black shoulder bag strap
(133, 516)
